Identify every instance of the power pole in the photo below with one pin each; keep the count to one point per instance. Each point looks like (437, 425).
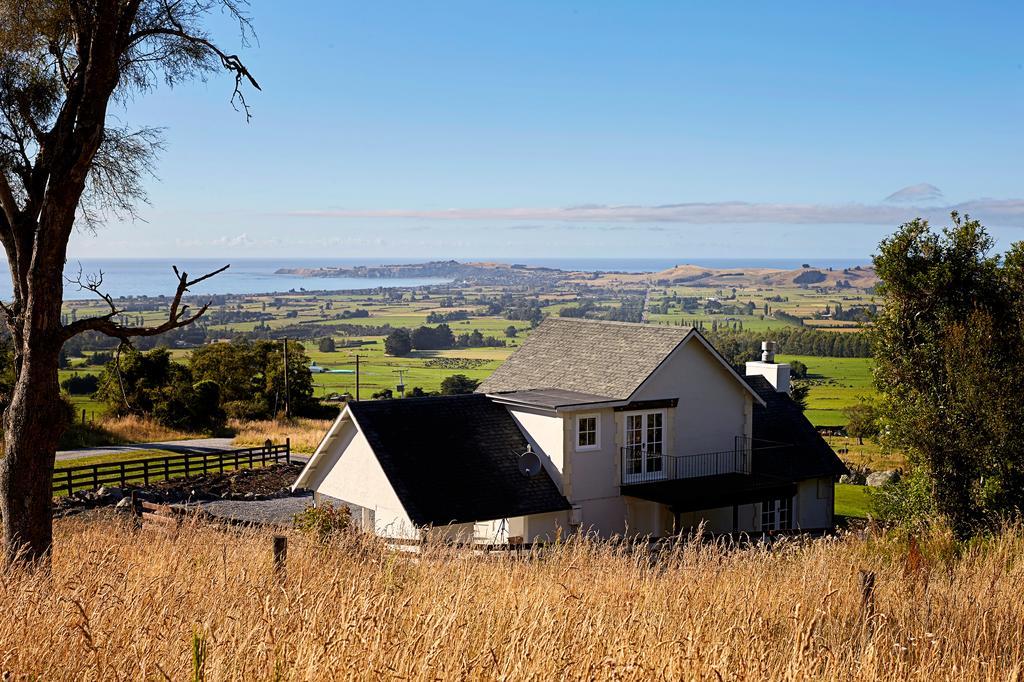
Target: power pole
(401, 382)
(287, 402)
(357, 376)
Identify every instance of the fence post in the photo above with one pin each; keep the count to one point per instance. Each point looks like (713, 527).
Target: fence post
(186, 467)
(145, 472)
(123, 481)
(288, 450)
(867, 600)
(280, 555)
(70, 486)
(95, 476)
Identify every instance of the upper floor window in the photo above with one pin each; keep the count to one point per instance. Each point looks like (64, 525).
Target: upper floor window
(587, 436)
(777, 514)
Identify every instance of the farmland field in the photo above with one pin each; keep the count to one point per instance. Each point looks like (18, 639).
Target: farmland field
(835, 383)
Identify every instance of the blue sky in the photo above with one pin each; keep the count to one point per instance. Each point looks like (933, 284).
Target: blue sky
(679, 129)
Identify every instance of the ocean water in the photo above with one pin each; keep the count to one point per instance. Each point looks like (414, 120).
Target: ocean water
(153, 277)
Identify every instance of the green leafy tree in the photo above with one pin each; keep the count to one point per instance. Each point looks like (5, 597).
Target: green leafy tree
(949, 357)
(327, 345)
(458, 384)
(861, 420)
(251, 377)
(154, 385)
(511, 332)
(798, 391)
(398, 343)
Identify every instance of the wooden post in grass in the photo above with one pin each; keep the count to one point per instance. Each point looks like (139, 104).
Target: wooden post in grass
(867, 600)
(287, 402)
(280, 555)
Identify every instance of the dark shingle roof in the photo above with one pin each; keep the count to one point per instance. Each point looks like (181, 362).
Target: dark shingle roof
(586, 356)
(786, 444)
(454, 459)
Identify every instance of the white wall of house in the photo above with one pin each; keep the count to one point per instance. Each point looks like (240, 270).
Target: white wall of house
(714, 407)
(592, 473)
(361, 481)
(815, 503)
(544, 430)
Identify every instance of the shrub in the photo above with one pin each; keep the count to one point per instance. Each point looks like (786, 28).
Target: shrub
(458, 384)
(323, 522)
(84, 384)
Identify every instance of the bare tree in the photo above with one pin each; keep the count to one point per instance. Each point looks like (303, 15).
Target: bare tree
(63, 162)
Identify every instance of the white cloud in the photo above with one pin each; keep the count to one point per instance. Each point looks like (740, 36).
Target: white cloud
(1002, 212)
(238, 241)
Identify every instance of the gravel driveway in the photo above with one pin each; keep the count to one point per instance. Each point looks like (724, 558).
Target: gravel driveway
(275, 512)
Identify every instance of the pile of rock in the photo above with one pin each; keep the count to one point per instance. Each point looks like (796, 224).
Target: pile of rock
(862, 475)
(268, 483)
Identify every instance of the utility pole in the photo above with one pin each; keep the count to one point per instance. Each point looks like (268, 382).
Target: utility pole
(357, 377)
(287, 401)
(401, 382)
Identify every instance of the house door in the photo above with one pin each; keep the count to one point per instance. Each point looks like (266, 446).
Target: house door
(644, 451)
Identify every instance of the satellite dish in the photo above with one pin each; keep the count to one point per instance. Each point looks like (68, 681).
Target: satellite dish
(529, 463)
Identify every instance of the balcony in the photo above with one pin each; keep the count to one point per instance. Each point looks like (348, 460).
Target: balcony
(642, 465)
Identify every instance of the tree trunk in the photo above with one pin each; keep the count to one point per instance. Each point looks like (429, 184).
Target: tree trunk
(33, 423)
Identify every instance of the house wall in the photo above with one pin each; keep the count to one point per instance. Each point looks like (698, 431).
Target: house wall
(592, 475)
(713, 408)
(545, 432)
(815, 504)
(350, 472)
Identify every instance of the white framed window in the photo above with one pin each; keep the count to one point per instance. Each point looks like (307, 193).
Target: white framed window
(643, 454)
(588, 432)
(777, 514)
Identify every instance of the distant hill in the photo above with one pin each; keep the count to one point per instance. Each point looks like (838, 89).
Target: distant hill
(860, 277)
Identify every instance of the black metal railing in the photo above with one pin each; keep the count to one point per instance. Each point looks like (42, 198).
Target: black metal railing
(645, 465)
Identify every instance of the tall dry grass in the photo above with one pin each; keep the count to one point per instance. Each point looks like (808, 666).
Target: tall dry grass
(120, 431)
(125, 606)
(305, 434)
(135, 429)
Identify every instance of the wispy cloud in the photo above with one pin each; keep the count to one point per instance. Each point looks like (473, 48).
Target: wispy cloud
(1001, 212)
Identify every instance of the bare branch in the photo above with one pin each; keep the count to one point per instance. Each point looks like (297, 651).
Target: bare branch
(177, 315)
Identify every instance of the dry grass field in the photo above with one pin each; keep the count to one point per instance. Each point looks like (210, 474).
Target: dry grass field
(305, 434)
(127, 605)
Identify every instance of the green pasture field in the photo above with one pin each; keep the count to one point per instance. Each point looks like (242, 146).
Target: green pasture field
(836, 383)
(853, 501)
(799, 301)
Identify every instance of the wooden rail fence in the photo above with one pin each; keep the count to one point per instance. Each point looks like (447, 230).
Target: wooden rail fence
(183, 465)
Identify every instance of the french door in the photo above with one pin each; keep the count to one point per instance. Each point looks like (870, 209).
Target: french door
(644, 450)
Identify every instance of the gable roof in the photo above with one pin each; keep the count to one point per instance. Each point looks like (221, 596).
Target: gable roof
(605, 361)
(609, 359)
(785, 442)
(454, 459)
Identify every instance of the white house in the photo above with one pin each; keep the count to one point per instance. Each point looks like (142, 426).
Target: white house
(641, 429)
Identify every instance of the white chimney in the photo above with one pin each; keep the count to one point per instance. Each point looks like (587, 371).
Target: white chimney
(776, 373)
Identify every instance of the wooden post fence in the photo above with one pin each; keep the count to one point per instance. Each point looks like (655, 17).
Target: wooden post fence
(92, 476)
